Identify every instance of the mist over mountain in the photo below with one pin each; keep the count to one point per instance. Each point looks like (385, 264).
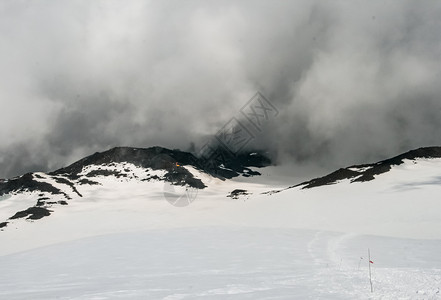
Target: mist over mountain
(246, 149)
(352, 81)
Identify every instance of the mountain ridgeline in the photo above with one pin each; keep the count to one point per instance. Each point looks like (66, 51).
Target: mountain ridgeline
(157, 164)
(58, 187)
(155, 158)
(367, 172)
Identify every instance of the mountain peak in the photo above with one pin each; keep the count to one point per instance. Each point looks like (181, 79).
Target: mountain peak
(121, 164)
(367, 172)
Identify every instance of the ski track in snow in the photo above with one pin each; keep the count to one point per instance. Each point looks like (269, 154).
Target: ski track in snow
(340, 275)
(222, 263)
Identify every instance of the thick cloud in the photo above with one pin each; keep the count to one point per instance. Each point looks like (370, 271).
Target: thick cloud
(354, 81)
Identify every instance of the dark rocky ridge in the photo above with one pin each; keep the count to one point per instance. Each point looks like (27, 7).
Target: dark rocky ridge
(32, 213)
(26, 182)
(370, 170)
(156, 158)
(238, 192)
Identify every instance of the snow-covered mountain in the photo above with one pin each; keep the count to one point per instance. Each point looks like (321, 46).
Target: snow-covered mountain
(104, 228)
(116, 167)
(367, 172)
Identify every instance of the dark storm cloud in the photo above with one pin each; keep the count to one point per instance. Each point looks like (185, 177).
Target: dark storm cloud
(353, 81)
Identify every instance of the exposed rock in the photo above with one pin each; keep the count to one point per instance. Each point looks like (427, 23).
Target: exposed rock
(238, 192)
(222, 165)
(367, 172)
(27, 183)
(32, 213)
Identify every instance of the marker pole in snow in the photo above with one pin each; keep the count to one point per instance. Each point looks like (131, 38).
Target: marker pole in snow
(370, 274)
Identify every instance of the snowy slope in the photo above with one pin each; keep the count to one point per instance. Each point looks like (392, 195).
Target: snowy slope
(122, 239)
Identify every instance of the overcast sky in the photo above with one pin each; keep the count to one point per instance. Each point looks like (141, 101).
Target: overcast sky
(354, 81)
